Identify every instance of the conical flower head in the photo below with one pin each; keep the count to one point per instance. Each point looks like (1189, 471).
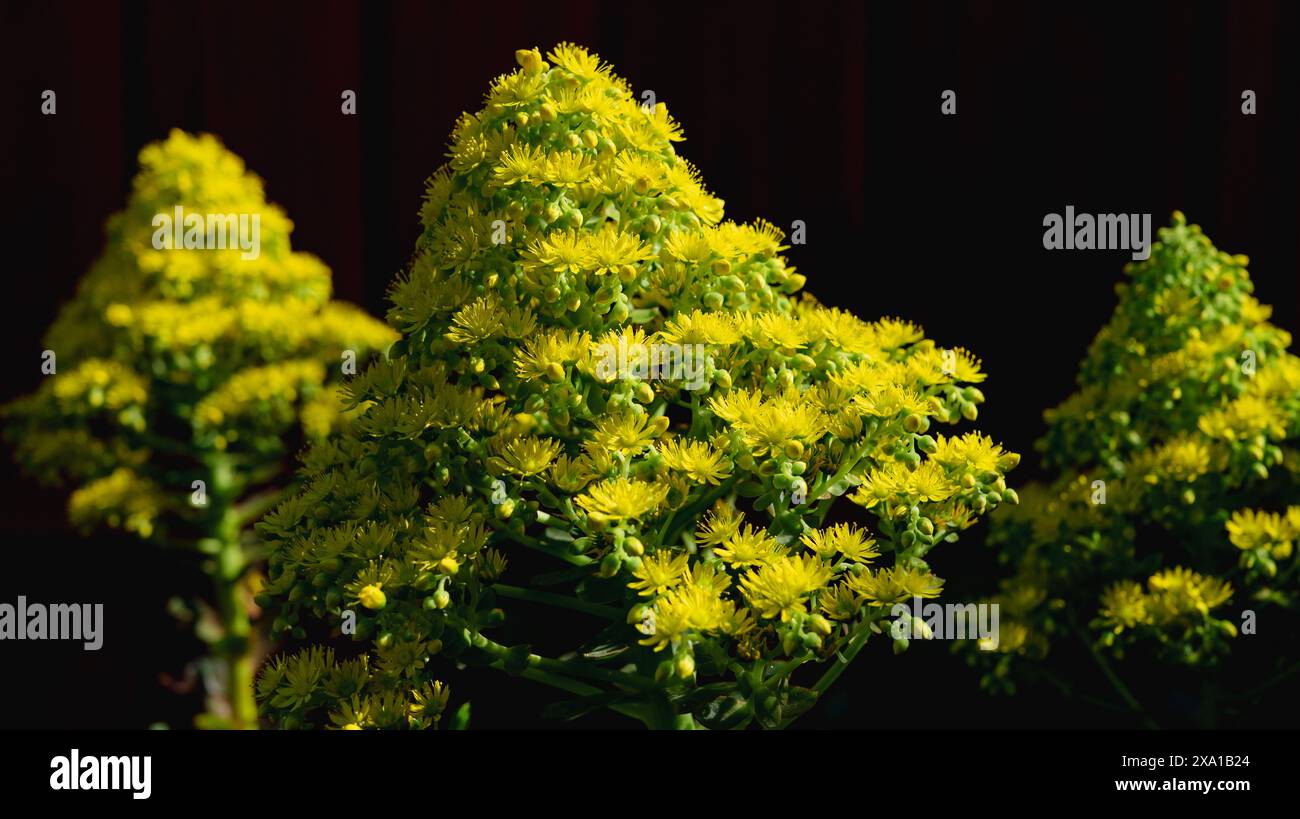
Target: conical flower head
(198, 330)
(1187, 337)
(591, 361)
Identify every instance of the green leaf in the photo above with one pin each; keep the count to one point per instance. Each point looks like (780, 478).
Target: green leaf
(459, 720)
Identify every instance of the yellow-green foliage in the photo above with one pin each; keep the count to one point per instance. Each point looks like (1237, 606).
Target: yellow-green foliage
(1174, 506)
(185, 377)
(688, 523)
(168, 356)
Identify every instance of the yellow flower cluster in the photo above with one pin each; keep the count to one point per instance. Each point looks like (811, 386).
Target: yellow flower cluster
(176, 351)
(1186, 423)
(598, 367)
(199, 352)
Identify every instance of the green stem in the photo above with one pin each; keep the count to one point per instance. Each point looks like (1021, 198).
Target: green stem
(237, 629)
(235, 646)
(786, 668)
(841, 662)
(668, 535)
(558, 552)
(568, 667)
(560, 600)
(842, 659)
(571, 686)
(1115, 682)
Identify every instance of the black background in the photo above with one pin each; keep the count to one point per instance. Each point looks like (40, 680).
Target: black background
(823, 112)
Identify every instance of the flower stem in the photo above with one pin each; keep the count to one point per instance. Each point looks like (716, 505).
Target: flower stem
(1115, 682)
(568, 667)
(841, 662)
(558, 552)
(559, 600)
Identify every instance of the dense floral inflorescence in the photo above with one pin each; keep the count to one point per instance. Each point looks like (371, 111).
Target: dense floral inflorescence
(181, 364)
(1177, 472)
(597, 367)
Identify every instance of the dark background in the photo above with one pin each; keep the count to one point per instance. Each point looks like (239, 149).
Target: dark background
(823, 112)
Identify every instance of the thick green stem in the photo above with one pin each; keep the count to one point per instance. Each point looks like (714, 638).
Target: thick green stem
(573, 687)
(558, 600)
(842, 659)
(556, 551)
(237, 640)
(568, 668)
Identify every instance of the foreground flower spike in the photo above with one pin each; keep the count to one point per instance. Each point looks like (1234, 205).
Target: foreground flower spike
(184, 374)
(1177, 460)
(599, 375)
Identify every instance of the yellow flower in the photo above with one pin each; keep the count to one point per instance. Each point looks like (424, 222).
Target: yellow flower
(622, 498)
(578, 62)
(779, 587)
(750, 547)
(720, 525)
(888, 586)
(610, 249)
(1179, 591)
(972, 451)
(845, 539)
(659, 572)
(477, 321)
(690, 608)
(701, 462)
(1252, 529)
(545, 354)
(628, 433)
(1123, 605)
(700, 328)
(529, 456)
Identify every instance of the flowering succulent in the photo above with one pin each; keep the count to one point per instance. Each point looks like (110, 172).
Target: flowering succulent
(1173, 509)
(597, 369)
(180, 378)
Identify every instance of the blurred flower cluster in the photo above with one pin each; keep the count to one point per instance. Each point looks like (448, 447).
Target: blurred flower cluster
(1172, 518)
(179, 378)
(689, 524)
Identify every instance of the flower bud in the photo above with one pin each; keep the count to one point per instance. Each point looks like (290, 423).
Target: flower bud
(820, 625)
(685, 666)
(609, 565)
(531, 61)
(372, 597)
